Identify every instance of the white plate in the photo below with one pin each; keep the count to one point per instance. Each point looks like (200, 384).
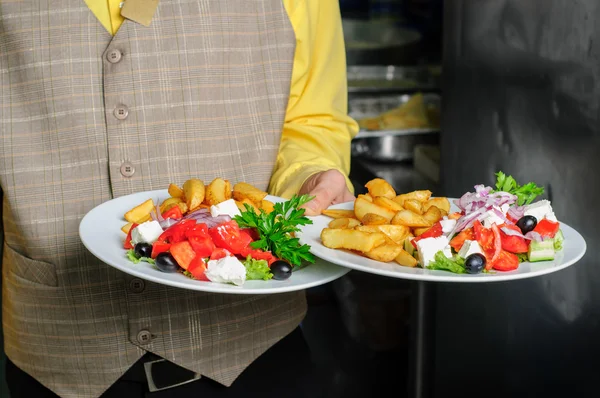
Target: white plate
(574, 248)
(100, 232)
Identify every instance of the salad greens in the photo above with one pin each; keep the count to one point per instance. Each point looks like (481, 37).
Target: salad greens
(135, 259)
(257, 269)
(525, 193)
(455, 264)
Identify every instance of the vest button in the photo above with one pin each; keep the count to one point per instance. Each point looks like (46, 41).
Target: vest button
(127, 169)
(137, 285)
(121, 112)
(144, 337)
(114, 56)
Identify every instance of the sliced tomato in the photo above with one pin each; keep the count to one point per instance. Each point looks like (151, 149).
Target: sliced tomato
(200, 240)
(198, 268)
(433, 232)
(547, 228)
(228, 236)
(506, 262)
(512, 243)
(174, 213)
(219, 253)
(183, 253)
(159, 247)
(127, 244)
(259, 254)
(458, 241)
(497, 242)
(176, 233)
(485, 238)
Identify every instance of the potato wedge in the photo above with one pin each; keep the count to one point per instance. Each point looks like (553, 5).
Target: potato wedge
(380, 187)
(251, 204)
(218, 191)
(363, 206)
(420, 230)
(413, 205)
(243, 190)
(385, 253)
(405, 259)
(193, 190)
(365, 196)
(444, 213)
(125, 228)
(387, 203)
(410, 219)
(175, 191)
(335, 213)
(440, 203)
(266, 205)
(374, 219)
(433, 214)
(344, 223)
(421, 196)
(140, 212)
(397, 233)
(351, 239)
(169, 203)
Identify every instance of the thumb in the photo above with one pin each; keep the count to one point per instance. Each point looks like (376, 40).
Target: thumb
(322, 199)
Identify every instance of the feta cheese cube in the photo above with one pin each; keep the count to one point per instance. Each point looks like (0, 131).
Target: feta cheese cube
(540, 210)
(493, 217)
(147, 232)
(428, 247)
(227, 207)
(447, 224)
(469, 247)
(226, 270)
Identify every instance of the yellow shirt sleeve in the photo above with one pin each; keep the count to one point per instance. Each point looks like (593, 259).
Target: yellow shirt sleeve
(317, 131)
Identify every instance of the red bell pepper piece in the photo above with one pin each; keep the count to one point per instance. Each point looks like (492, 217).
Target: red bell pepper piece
(547, 228)
(433, 232)
(159, 247)
(174, 213)
(127, 244)
(497, 242)
(198, 268)
(259, 254)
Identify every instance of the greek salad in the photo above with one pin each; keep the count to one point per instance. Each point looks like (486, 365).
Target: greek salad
(496, 229)
(223, 244)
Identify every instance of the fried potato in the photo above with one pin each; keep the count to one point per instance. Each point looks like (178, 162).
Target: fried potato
(351, 239)
(397, 233)
(365, 196)
(421, 196)
(374, 219)
(385, 253)
(433, 215)
(334, 213)
(218, 191)
(363, 206)
(169, 203)
(410, 219)
(193, 190)
(405, 259)
(380, 187)
(440, 203)
(387, 203)
(140, 212)
(444, 213)
(125, 228)
(175, 191)
(420, 230)
(243, 190)
(266, 205)
(344, 223)
(250, 203)
(413, 205)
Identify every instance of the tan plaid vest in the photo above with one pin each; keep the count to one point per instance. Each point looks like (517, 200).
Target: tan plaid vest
(201, 92)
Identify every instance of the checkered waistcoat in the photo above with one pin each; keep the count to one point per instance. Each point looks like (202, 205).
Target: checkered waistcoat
(202, 92)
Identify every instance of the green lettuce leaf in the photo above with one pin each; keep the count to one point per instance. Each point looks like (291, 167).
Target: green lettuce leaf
(135, 259)
(456, 264)
(257, 269)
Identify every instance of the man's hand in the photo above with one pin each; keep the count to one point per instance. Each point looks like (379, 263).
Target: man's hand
(328, 187)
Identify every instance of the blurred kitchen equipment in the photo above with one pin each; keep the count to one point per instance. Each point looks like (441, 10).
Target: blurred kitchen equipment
(427, 161)
(390, 78)
(393, 145)
(379, 43)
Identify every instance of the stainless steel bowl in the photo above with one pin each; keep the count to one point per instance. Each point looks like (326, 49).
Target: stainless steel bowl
(393, 148)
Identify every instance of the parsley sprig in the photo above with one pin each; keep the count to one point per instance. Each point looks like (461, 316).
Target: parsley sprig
(276, 229)
(525, 193)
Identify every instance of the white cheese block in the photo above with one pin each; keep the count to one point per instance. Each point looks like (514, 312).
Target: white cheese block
(226, 270)
(227, 207)
(428, 247)
(540, 210)
(147, 232)
(468, 248)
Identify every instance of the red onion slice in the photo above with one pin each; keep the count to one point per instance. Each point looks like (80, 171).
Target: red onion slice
(193, 214)
(531, 235)
(534, 236)
(516, 212)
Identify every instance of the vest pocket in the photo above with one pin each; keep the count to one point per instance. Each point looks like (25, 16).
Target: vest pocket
(28, 271)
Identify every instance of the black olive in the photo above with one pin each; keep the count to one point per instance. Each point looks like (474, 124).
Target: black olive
(281, 270)
(143, 249)
(475, 263)
(166, 262)
(526, 224)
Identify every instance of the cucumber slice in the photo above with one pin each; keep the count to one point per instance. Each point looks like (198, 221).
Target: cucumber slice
(541, 251)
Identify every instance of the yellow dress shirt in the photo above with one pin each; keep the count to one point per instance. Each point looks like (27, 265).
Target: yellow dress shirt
(317, 130)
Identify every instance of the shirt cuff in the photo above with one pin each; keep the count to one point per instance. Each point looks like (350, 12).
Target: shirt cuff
(289, 182)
